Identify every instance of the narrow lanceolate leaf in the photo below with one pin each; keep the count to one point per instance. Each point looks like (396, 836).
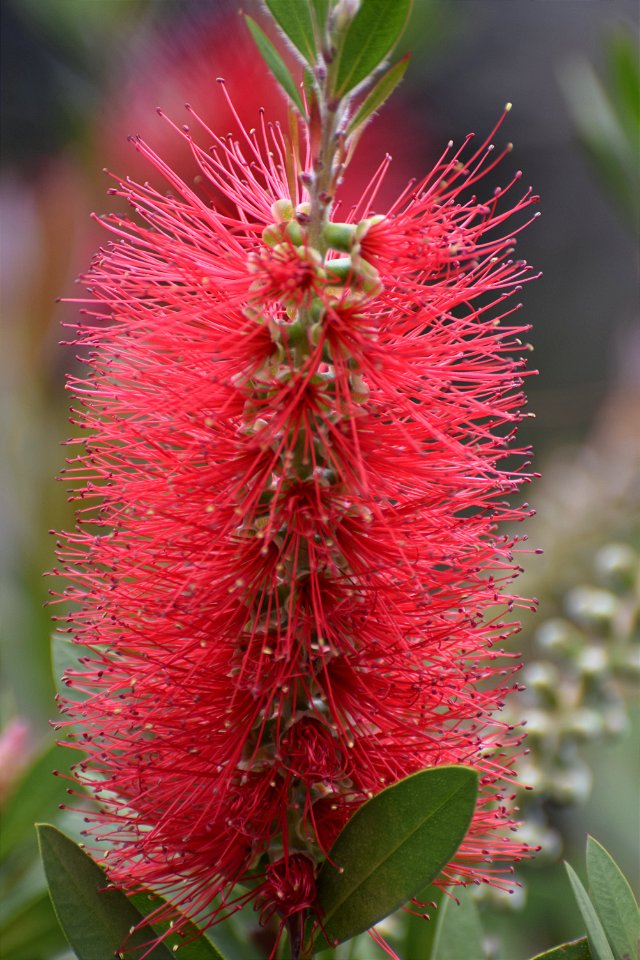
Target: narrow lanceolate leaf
(598, 943)
(370, 37)
(321, 11)
(98, 921)
(574, 950)
(380, 92)
(614, 902)
(624, 66)
(276, 64)
(295, 20)
(392, 847)
(458, 931)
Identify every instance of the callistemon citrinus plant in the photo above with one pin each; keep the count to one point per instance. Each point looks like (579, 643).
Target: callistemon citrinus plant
(287, 566)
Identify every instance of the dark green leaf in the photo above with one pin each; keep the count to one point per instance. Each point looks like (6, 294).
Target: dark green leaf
(276, 64)
(614, 902)
(210, 946)
(458, 930)
(598, 943)
(393, 846)
(574, 950)
(614, 153)
(97, 921)
(380, 92)
(624, 65)
(370, 37)
(294, 19)
(38, 794)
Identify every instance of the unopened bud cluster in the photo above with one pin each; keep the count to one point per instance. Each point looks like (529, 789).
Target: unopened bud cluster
(578, 690)
(304, 288)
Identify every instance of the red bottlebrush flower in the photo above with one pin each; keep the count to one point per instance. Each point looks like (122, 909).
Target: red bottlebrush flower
(287, 565)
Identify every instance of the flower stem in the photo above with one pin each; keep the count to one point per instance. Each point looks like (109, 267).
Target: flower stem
(295, 928)
(328, 160)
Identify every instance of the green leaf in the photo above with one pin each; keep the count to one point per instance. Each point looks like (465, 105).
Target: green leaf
(612, 149)
(614, 902)
(380, 92)
(419, 935)
(458, 930)
(97, 921)
(276, 64)
(624, 67)
(370, 37)
(598, 943)
(32, 930)
(38, 794)
(294, 19)
(321, 9)
(393, 846)
(205, 947)
(574, 950)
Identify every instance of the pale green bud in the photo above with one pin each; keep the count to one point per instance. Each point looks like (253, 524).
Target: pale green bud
(556, 636)
(573, 784)
(618, 564)
(282, 210)
(592, 608)
(339, 236)
(344, 12)
(583, 724)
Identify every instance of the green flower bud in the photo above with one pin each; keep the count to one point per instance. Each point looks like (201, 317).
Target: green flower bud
(542, 676)
(539, 725)
(630, 663)
(583, 724)
(538, 835)
(615, 721)
(556, 636)
(294, 332)
(359, 389)
(282, 210)
(344, 12)
(370, 278)
(572, 784)
(339, 236)
(619, 565)
(593, 663)
(362, 229)
(272, 235)
(295, 233)
(317, 311)
(339, 269)
(592, 608)
(315, 333)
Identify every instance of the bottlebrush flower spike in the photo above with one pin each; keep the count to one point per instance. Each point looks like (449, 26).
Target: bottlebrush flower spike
(287, 565)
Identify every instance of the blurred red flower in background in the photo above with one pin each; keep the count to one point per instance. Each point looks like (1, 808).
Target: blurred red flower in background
(166, 66)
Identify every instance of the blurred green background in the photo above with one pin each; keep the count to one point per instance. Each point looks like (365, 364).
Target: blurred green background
(78, 76)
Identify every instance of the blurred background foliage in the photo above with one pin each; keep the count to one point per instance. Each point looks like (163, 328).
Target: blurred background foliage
(78, 76)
